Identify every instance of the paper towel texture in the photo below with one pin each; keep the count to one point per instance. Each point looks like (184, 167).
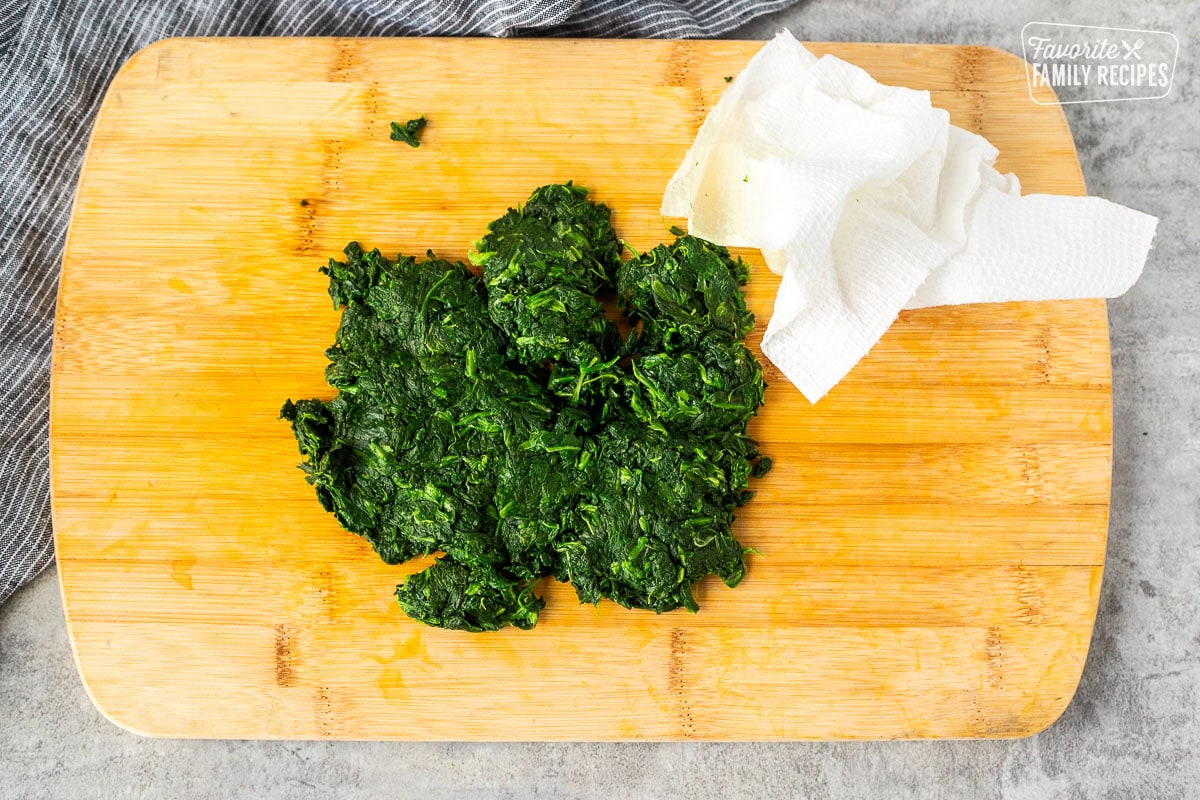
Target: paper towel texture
(866, 200)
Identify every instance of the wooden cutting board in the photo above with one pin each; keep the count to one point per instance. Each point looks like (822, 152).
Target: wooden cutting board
(932, 535)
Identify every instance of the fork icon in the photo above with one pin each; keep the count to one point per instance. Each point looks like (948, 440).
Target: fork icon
(1132, 50)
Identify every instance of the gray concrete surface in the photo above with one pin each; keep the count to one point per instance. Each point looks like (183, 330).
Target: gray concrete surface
(1132, 730)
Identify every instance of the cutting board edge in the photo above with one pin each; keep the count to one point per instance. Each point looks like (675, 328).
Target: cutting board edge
(56, 346)
(115, 717)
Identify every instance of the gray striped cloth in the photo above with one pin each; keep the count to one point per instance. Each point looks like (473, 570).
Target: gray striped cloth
(57, 57)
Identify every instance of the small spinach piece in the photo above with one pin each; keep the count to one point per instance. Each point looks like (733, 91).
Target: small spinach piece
(409, 131)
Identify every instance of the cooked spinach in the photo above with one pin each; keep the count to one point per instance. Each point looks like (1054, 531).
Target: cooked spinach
(409, 131)
(503, 423)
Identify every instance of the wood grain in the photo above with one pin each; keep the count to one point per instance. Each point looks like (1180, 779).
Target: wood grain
(932, 537)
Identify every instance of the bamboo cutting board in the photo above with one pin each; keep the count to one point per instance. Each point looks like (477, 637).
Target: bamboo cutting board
(932, 535)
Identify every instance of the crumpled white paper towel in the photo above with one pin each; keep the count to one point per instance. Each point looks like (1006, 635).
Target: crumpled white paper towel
(867, 200)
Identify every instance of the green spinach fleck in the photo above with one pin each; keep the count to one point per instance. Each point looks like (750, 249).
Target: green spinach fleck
(409, 131)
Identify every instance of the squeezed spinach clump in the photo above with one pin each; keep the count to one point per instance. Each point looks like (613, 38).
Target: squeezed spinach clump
(503, 422)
